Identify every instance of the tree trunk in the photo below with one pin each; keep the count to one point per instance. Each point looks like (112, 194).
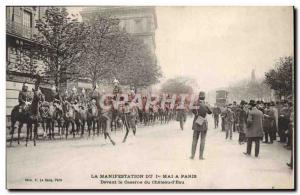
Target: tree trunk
(57, 83)
(37, 82)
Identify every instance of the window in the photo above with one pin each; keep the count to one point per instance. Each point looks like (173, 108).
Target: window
(149, 24)
(139, 25)
(27, 19)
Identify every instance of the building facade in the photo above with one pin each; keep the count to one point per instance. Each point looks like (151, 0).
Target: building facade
(20, 28)
(139, 21)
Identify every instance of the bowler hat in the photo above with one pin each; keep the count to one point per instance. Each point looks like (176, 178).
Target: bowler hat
(252, 103)
(202, 94)
(243, 102)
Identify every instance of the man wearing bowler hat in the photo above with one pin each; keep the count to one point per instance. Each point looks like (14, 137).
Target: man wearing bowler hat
(200, 125)
(254, 130)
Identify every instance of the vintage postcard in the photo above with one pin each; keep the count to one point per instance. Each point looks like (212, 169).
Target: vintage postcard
(150, 97)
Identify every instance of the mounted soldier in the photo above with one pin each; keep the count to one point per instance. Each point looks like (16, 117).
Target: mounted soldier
(95, 96)
(83, 98)
(56, 97)
(24, 97)
(74, 96)
(117, 89)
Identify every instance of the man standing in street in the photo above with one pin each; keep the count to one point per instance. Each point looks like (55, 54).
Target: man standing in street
(216, 113)
(241, 121)
(229, 120)
(254, 130)
(200, 125)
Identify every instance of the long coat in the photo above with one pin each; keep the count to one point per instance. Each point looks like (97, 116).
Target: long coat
(241, 119)
(269, 121)
(254, 123)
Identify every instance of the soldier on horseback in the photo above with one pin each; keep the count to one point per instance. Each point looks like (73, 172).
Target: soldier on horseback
(95, 96)
(117, 88)
(56, 98)
(73, 98)
(24, 97)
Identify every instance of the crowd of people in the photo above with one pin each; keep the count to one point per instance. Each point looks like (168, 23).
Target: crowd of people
(257, 120)
(254, 121)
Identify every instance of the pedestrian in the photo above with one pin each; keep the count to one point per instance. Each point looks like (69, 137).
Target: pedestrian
(283, 121)
(288, 131)
(274, 128)
(254, 130)
(216, 114)
(269, 124)
(229, 120)
(241, 121)
(200, 125)
(234, 109)
(291, 129)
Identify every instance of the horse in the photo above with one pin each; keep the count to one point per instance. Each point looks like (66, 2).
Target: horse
(93, 118)
(57, 116)
(45, 117)
(69, 117)
(28, 116)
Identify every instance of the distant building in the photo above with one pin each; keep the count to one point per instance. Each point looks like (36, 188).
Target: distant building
(136, 20)
(139, 21)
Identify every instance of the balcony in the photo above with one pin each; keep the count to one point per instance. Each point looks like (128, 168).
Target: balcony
(19, 29)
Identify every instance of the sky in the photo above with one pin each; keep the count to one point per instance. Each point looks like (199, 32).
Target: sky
(218, 46)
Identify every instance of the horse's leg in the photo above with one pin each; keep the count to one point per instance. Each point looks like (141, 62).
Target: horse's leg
(94, 127)
(82, 128)
(78, 124)
(89, 126)
(52, 127)
(19, 131)
(30, 137)
(43, 126)
(73, 128)
(35, 132)
(13, 122)
(27, 133)
(98, 127)
(67, 123)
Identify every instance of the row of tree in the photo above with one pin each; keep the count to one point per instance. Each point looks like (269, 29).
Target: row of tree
(281, 77)
(96, 50)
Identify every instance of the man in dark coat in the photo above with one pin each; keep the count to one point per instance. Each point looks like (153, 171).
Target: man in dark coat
(200, 113)
(234, 108)
(216, 113)
(229, 120)
(241, 121)
(254, 130)
(269, 124)
(283, 121)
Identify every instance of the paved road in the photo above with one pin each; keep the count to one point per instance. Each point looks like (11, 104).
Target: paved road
(161, 149)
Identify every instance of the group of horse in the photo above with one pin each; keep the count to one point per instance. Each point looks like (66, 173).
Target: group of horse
(81, 117)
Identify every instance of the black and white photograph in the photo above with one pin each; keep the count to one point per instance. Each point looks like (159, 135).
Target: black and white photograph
(131, 97)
